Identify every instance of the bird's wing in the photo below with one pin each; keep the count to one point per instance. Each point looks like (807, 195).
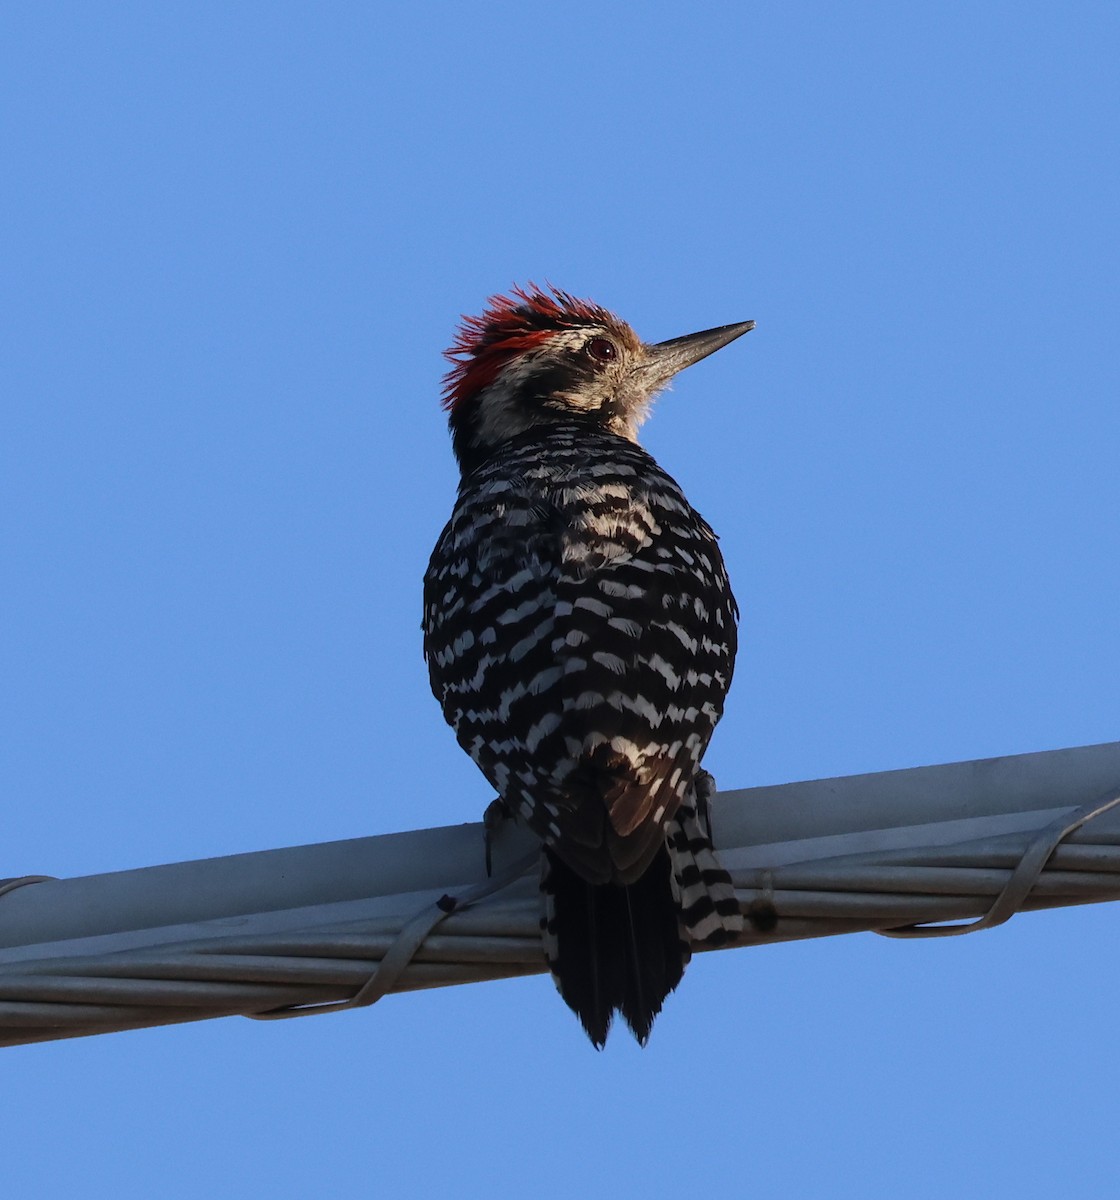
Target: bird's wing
(645, 629)
(581, 645)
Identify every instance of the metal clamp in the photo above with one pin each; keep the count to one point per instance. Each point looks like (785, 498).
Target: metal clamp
(401, 952)
(1023, 877)
(10, 885)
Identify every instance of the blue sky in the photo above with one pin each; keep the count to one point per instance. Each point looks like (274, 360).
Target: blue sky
(236, 238)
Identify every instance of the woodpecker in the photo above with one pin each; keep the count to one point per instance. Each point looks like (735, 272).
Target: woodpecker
(580, 636)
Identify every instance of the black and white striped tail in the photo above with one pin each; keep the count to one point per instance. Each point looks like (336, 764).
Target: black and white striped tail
(614, 948)
(709, 910)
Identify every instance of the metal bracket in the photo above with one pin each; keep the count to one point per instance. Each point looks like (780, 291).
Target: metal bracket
(402, 951)
(1023, 877)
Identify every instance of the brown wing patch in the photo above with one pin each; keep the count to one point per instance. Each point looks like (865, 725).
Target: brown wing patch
(610, 824)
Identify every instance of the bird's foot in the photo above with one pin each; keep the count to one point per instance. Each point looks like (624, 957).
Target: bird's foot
(703, 792)
(497, 812)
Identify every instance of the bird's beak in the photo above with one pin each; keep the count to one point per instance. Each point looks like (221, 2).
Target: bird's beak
(664, 359)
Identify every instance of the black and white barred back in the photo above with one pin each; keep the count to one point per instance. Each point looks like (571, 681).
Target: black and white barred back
(580, 633)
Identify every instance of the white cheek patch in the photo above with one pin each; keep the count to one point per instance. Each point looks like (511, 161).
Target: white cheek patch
(502, 415)
(581, 403)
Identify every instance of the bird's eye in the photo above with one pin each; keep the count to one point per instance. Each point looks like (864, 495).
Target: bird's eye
(602, 349)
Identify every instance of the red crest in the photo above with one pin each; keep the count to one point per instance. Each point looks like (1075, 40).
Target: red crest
(509, 326)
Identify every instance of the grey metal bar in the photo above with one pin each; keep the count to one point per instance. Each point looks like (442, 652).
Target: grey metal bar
(309, 925)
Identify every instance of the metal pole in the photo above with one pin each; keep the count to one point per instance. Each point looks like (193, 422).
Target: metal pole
(307, 926)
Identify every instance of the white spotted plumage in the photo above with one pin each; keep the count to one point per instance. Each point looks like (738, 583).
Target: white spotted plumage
(614, 665)
(580, 633)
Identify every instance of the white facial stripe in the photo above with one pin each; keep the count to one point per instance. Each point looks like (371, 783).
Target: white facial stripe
(502, 415)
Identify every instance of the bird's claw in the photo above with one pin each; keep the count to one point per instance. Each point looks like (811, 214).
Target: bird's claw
(704, 791)
(497, 811)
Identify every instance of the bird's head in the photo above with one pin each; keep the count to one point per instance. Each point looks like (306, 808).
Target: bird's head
(538, 357)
